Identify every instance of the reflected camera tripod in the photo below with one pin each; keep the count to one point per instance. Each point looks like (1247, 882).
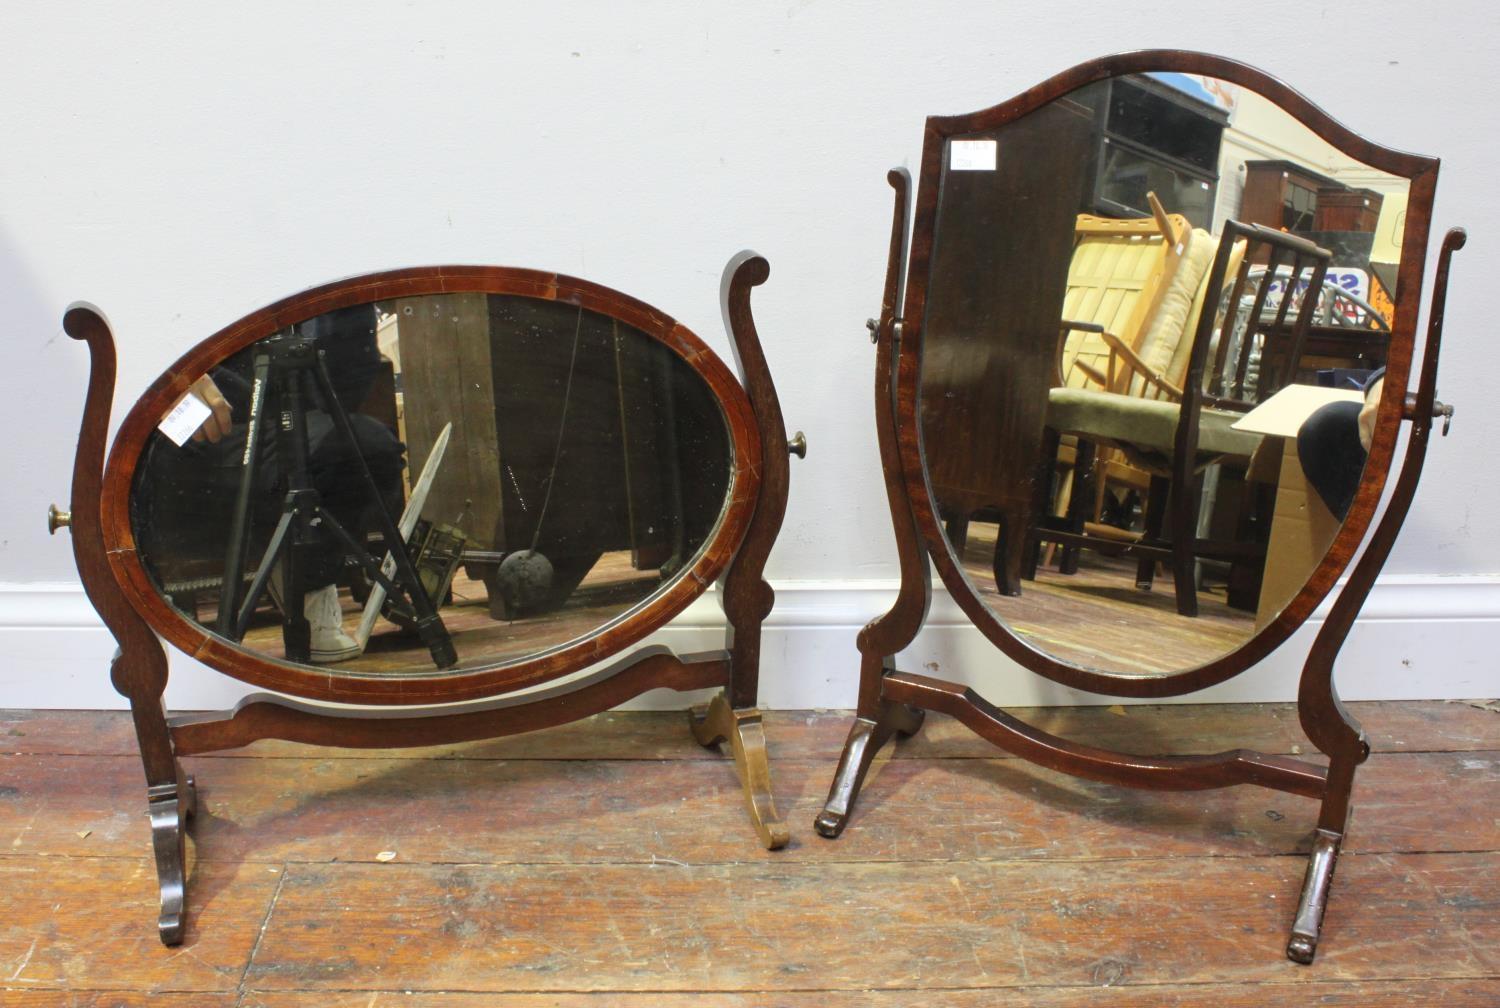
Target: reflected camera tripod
(286, 366)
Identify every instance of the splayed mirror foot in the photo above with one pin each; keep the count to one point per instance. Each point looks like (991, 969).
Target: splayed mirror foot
(866, 738)
(743, 730)
(170, 807)
(1308, 924)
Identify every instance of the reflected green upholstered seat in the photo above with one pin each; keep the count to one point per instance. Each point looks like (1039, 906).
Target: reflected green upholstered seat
(1143, 426)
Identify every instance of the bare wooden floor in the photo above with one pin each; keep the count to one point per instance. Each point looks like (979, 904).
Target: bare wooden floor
(609, 863)
(1098, 618)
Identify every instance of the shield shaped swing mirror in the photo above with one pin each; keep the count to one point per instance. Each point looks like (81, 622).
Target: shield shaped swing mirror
(441, 497)
(1139, 402)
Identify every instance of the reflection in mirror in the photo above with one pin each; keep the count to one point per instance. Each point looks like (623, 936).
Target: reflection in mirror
(550, 467)
(1153, 309)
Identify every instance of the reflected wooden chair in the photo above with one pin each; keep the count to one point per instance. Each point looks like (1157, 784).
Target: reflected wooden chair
(1116, 278)
(1129, 285)
(1117, 274)
(1157, 370)
(1176, 436)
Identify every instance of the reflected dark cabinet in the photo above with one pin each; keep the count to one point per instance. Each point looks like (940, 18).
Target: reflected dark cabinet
(999, 277)
(1152, 135)
(564, 436)
(1341, 208)
(545, 419)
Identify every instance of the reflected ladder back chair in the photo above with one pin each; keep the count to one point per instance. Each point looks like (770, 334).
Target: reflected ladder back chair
(1175, 441)
(1276, 345)
(1158, 371)
(1150, 364)
(1118, 275)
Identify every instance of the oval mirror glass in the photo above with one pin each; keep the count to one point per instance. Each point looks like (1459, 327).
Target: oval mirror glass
(1153, 310)
(551, 469)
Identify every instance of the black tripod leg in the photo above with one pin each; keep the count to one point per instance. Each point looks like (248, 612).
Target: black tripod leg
(429, 623)
(431, 628)
(262, 575)
(366, 560)
(296, 632)
(239, 528)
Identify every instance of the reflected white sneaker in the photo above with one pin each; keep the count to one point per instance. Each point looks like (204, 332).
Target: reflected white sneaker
(326, 620)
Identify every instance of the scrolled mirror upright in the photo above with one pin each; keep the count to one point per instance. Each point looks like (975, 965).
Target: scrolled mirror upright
(1139, 404)
(451, 500)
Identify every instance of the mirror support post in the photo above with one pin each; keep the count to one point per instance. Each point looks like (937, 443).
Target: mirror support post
(139, 668)
(877, 719)
(734, 715)
(1325, 720)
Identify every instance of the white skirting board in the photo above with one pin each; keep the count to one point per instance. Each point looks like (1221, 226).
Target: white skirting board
(1419, 637)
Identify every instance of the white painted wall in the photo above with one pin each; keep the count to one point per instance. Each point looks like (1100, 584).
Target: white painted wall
(182, 164)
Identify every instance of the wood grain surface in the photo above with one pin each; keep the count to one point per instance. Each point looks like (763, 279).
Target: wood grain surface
(799, 926)
(1407, 726)
(434, 811)
(606, 863)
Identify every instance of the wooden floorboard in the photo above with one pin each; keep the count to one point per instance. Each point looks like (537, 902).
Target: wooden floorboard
(494, 812)
(21, 998)
(855, 926)
(1405, 726)
(611, 588)
(1098, 617)
(1358, 994)
(609, 863)
(90, 923)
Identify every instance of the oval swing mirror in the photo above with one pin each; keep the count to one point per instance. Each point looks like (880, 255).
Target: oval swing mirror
(560, 459)
(1152, 315)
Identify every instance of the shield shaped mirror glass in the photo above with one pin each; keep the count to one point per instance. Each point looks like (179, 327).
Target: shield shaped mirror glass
(1155, 317)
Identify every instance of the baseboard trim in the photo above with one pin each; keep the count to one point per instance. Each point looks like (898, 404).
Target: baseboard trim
(1418, 637)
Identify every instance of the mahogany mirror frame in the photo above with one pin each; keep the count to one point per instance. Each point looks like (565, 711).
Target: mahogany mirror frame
(467, 704)
(892, 702)
(329, 684)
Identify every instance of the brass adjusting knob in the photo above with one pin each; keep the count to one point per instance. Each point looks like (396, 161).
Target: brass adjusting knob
(797, 445)
(57, 519)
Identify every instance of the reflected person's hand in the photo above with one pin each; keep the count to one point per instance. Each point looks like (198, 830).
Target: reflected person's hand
(1367, 413)
(217, 424)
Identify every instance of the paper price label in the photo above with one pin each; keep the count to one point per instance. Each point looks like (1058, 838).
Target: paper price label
(971, 155)
(185, 418)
